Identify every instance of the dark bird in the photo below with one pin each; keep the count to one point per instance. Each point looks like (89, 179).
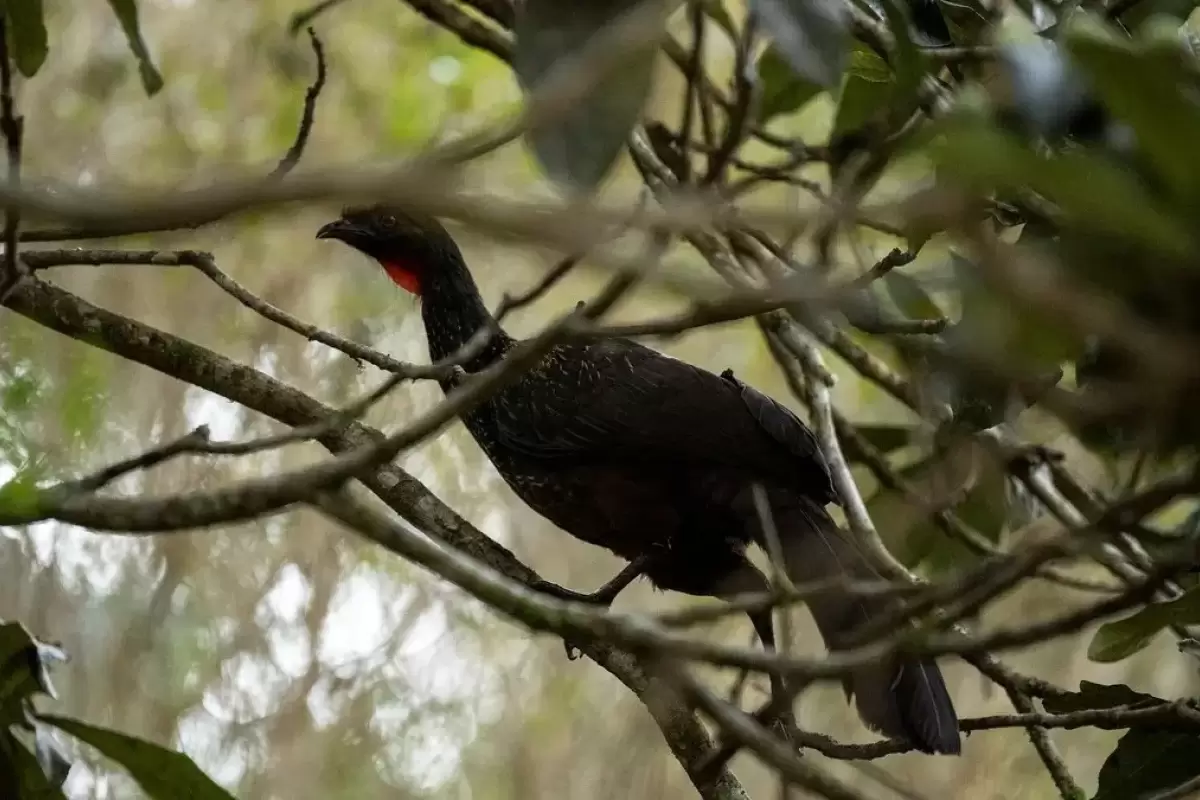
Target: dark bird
(655, 460)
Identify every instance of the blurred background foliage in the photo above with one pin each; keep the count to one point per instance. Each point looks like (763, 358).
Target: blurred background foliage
(289, 660)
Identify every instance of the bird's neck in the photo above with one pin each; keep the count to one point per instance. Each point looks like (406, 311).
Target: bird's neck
(453, 311)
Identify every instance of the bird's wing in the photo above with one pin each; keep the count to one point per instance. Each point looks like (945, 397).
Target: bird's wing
(629, 401)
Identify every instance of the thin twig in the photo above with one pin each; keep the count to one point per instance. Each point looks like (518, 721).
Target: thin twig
(894, 259)
(1046, 750)
(207, 266)
(780, 581)
(701, 613)
(469, 28)
(857, 515)
(204, 263)
(292, 157)
(510, 303)
(302, 19)
(191, 442)
(743, 101)
(1163, 715)
(691, 91)
(502, 12)
(770, 749)
(197, 442)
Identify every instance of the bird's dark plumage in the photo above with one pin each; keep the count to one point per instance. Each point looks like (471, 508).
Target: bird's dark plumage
(642, 454)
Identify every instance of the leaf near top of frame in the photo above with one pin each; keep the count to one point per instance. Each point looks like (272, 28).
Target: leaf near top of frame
(578, 147)
(812, 35)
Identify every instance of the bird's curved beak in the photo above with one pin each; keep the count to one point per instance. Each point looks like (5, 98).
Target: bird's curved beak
(341, 229)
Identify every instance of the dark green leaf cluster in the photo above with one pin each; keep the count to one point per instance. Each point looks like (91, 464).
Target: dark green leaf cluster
(33, 764)
(29, 39)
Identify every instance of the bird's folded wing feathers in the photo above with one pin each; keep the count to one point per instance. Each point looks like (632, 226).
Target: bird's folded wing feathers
(652, 406)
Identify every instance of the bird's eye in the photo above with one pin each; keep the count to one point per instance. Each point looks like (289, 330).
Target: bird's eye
(388, 222)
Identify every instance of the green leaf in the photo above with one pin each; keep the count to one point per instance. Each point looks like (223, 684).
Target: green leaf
(1097, 695)
(908, 62)
(1118, 640)
(967, 20)
(27, 34)
(868, 65)
(18, 654)
(985, 508)
(989, 323)
(1146, 762)
(812, 35)
(21, 777)
(127, 14)
(908, 532)
(973, 297)
(1136, 14)
(1146, 86)
(1190, 527)
(884, 502)
(866, 90)
(580, 145)
(1092, 192)
(23, 670)
(1042, 341)
(782, 90)
(910, 297)
(162, 773)
(54, 763)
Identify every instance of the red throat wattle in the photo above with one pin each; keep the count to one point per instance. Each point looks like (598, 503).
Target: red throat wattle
(403, 276)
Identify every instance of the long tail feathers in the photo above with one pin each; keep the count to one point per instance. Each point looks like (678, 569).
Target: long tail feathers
(904, 699)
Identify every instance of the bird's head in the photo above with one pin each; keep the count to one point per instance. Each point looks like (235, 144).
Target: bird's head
(412, 249)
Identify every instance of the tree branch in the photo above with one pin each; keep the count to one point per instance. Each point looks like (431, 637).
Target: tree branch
(12, 126)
